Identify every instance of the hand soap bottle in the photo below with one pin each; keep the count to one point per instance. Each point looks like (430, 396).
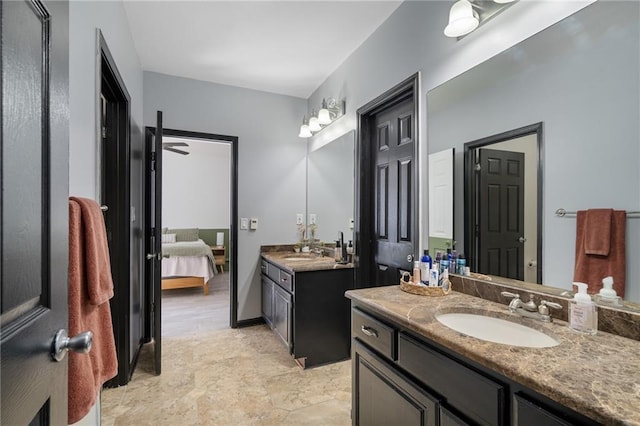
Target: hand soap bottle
(583, 312)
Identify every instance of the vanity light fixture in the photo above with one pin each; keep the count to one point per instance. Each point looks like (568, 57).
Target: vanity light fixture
(329, 112)
(304, 129)
(467, 15)
(462, 19)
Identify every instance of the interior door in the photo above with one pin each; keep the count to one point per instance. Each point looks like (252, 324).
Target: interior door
(34, 209)
(153, 235)
(394, 192)
(501, 213)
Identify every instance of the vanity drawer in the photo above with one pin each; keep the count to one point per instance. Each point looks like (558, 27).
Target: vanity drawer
(264, 267)
(285, 280)
(374, 333)
(471, 393)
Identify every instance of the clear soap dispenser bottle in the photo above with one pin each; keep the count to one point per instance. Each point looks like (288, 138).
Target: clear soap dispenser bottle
(583, 312)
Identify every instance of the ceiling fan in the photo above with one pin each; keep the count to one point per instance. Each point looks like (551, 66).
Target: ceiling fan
(171, 146)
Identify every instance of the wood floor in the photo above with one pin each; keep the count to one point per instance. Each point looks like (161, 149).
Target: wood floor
(215, 375)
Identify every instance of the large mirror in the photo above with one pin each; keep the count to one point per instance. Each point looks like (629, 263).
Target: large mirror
(330, 185)
(580, 79)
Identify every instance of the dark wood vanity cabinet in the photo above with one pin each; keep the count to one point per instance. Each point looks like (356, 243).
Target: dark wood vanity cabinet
(402, 378)
(309, 312)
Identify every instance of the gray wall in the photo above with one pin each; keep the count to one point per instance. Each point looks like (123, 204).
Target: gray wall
(580, 78)
(272, 159)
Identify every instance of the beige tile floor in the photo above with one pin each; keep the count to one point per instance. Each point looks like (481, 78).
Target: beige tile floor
(222, 376)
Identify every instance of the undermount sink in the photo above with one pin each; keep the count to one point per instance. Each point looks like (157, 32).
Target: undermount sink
(496, 330)
(299, 258)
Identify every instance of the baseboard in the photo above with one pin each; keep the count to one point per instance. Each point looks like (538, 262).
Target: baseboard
(250, 322)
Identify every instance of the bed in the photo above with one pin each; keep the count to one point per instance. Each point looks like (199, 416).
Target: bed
(187, 261)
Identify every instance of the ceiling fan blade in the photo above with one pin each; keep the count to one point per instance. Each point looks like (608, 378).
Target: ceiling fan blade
(175, 144)
(177, 151)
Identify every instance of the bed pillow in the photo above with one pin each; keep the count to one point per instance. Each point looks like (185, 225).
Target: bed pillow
(168, 238)
(186, 234)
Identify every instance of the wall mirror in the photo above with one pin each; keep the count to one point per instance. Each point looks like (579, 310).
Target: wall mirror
(580, 78)
(330, 184)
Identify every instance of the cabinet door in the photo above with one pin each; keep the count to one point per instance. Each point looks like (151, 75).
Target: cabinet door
(447, 418)
(267, 300)
(383, 396)
(529, 413)
(282, 312)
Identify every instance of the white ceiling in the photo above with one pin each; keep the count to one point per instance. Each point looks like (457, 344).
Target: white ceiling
(285, 47)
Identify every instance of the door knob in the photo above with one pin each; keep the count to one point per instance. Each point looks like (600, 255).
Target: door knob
(151, 256)
(62, 343)
(522, 239)
(410, 258)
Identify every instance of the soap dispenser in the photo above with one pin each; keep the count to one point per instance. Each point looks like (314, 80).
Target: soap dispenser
(583, 312)
(607, 294)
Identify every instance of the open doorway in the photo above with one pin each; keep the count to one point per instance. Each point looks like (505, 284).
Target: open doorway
(196, 195)
(199, 193)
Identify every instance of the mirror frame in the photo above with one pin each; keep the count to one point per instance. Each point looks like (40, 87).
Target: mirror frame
(470, 195)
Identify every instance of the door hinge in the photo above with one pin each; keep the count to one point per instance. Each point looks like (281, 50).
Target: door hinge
(104, 132)
(478, 167)
(153, 161)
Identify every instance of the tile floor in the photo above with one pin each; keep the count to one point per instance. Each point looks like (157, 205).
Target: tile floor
(214, 375)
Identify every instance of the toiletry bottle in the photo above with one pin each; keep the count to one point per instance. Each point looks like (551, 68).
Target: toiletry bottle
(337, 254)
(462, 264)
(444, 263)
(583, 312)
(350, 251)
(425, 266)
(453, 262)
(417, 275)
(436, 263)
(607, 293)
(434, 276)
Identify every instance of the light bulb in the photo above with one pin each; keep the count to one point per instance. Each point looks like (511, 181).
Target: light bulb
(323, 115)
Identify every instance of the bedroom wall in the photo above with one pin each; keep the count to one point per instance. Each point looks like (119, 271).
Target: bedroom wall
(195, 187)
(272, 163)
(84, 18)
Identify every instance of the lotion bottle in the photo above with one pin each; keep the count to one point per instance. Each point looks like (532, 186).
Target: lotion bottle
(583, 312)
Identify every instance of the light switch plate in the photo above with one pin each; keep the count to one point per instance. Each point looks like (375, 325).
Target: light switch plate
(312, 219)
(351, 223)
(253, 223)
(244, 223)
(299, 219)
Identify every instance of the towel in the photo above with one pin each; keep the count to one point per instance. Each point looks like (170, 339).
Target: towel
(597, 231)
(591, 266)
(88, 372)
(97, 260)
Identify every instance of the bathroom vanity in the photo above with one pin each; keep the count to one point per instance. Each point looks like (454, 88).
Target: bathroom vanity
(303, 302)
(408, 368)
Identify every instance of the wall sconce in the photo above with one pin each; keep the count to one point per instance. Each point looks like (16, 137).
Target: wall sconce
(329, 112)
(467, 15)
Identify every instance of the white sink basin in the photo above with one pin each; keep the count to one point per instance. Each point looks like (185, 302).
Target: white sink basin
(496, 330)
(299, 258)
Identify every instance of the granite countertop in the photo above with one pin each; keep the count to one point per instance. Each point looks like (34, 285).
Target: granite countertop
(598, 376)
(301, 262)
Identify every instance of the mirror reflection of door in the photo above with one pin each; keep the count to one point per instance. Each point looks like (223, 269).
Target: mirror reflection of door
(503, 204)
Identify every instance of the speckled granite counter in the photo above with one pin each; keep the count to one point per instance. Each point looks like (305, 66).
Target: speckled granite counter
(598, 376)
(300, 262)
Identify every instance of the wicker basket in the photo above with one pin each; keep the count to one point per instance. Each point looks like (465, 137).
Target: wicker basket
(421, 290)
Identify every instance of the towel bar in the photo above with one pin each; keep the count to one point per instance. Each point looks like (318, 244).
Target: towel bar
(562, 213)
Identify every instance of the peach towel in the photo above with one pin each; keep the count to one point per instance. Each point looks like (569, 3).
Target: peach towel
(591, 268)
(89, 283)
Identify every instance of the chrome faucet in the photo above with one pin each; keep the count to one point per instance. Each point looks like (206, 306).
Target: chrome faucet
(529, 309)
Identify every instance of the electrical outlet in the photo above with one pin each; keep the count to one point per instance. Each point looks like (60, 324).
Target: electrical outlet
(312, 219)
(351, 223)
(244, 223)
(299, 219)
(253, 223)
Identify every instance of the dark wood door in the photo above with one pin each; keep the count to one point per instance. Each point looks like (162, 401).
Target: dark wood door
(35, 191)
(153, 236)
(393, 147)
(501, 213)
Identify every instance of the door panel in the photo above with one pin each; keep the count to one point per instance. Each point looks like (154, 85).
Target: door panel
(501, 213)
(153, 236)
(394, 191)
(35, 190)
